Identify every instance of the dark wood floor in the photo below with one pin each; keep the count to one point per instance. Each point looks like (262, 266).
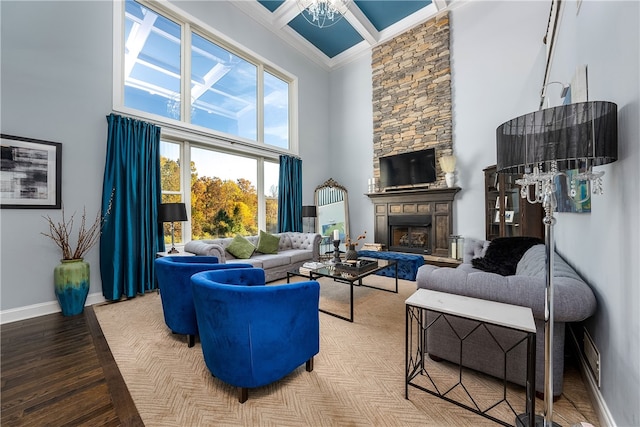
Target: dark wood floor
(58, 371)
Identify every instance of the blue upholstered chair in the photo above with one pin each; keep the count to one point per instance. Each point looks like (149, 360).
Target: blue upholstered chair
(253, 335)
(174, 279)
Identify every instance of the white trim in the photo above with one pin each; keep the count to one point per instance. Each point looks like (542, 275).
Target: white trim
(42, 309)
(605, 417)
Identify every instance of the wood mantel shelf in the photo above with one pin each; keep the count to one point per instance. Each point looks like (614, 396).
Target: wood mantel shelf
(437, 202)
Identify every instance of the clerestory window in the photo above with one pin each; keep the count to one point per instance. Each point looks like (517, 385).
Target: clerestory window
(176, 71)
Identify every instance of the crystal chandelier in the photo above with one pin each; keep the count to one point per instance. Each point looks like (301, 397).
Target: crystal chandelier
(323, 13)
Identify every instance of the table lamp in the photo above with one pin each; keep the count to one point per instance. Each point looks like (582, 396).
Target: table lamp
(172, 212)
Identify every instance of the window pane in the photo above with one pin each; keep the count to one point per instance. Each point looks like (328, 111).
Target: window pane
(271, 177)
(169, 166)
(224, 199)
(151, 62)
(170, 186)
(223, 90)
(276, 111)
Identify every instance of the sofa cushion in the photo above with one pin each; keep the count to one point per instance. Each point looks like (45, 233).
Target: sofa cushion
(504, 253)
(296, 255)
(241, 248)
(268, 243)
(272, 260)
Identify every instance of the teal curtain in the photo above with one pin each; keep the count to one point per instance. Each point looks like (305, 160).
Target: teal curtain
(290, 194)
(131, 233)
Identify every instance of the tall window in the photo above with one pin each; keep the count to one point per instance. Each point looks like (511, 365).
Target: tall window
(210, 91)
(271, 178)
(171, 184)
(228, 91)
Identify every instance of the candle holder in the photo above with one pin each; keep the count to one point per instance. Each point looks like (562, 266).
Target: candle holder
(336, 251)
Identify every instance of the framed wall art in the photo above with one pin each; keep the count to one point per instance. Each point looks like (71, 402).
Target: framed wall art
(30, 173)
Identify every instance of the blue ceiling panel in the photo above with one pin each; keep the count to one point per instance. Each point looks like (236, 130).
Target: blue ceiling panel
(272, 5)
(332, 40)
(383, 14)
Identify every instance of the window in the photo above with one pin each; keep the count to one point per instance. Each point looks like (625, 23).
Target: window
(271, 179)
(224, 90)
(151, 62)
(210, 92)
(223, 198)
(171, 184)
(228, 91)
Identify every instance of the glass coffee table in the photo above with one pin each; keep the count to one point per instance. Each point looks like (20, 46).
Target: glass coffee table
(352, 278)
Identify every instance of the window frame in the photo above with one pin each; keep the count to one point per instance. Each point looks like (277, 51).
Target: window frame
(187, 134)
(189, 24)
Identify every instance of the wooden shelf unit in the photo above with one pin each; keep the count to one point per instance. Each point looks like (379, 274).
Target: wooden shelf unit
(506, 213)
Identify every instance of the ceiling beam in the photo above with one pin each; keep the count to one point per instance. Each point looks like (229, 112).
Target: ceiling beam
(361, 24)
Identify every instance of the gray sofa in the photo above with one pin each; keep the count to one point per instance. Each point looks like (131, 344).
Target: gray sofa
(573, 301)
(294, 250)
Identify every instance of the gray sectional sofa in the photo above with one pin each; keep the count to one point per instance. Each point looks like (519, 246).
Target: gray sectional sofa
(294, 249)
(573, 301)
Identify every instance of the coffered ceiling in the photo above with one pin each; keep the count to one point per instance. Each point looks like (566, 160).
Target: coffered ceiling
(366, 24)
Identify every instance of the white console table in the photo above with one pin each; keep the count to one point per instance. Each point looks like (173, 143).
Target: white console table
(484, 312)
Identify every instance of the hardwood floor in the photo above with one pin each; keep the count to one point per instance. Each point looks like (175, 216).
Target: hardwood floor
(58, 371)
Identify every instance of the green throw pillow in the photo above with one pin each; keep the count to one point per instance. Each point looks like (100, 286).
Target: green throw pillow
(241, 248)
(268, 243)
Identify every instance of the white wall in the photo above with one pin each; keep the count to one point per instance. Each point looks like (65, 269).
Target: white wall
(497, 67)
(352, 139)
(56, 82)
(498, 60)
(603, 245)
(56, 74)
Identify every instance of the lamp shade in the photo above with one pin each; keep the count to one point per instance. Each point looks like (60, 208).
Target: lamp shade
(170, 212)
(309, 212)
(572, 136)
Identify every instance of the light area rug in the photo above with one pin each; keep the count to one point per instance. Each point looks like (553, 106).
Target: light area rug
(358, 376)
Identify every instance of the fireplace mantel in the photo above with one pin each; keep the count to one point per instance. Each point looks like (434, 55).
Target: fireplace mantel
(437, 202)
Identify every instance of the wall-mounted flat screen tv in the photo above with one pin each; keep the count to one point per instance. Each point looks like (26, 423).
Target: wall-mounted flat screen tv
(415, 168)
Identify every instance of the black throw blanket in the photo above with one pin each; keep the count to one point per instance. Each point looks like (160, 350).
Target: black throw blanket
(504, 253)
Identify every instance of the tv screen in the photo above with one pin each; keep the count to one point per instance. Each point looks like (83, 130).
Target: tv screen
(415, 168)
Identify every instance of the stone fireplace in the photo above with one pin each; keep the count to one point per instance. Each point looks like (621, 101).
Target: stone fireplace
(414, 221)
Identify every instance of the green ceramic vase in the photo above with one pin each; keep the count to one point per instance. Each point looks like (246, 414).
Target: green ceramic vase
(71, 279)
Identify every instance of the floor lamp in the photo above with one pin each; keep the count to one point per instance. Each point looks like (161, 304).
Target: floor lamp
(541, 146)
(172, 212)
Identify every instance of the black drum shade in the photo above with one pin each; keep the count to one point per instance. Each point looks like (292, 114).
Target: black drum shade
(170, 212)
(574, 136)
(309, 212)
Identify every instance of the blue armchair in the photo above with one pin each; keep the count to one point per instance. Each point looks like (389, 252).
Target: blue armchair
(174, 280)
(253, 335)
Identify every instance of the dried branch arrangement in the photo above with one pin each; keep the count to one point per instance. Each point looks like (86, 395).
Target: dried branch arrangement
(447, 163)
(356, 241)
(60, 233)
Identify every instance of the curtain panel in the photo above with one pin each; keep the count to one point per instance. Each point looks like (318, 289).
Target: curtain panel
(131, 233)
(290, 194)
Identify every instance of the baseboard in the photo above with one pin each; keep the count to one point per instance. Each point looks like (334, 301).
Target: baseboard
(599, 405)
(35, 310)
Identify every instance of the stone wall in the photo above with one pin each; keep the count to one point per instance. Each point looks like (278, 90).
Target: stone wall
(412, 93)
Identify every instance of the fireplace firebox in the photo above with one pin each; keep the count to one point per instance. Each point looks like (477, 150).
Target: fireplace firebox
(410, 233)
